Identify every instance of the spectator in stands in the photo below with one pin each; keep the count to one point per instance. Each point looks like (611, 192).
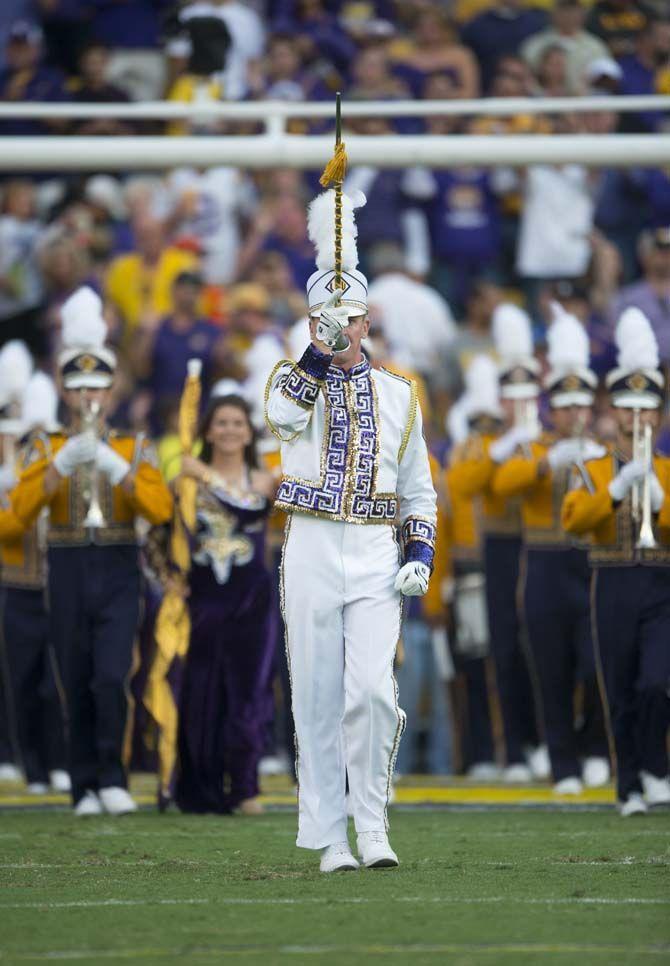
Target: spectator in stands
(282, 75)
(618, 23)
(567, 30)
(139, 284)
(433, 47)
(393, 298)
(473, 338)
(132, 31)
(499, 31)
(322, 40)
(551, 72)
(642, 72)
(652, 293)
(20, 281)
(92, 86)
(64, 266)
(372, 79)
(272, 273)
(27, 78)
(281, 226)
(162, 347)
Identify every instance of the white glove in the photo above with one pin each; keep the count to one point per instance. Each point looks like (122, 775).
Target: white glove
(333, 319)
(78, 449)
(564, 453)
(112, 463)
(501, 449)
(412, 579)
(7, 477)
(627, 476)
(656, 492)
(590, 450)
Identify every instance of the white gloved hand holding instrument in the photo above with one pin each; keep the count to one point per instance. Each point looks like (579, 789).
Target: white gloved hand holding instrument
(332, 322)
(78, 450)
(412, 579)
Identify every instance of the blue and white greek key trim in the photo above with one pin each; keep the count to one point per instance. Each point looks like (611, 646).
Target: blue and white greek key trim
(418, 534)
(349, 457)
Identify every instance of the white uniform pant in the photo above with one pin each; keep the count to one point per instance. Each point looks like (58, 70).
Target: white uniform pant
(342, 619)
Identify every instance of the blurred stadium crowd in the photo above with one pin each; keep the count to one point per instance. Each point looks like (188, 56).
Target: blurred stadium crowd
(212, 264)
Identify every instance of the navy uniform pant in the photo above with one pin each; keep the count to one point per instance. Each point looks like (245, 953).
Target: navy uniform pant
(558, 618)
(94, 595)
(38, 707)
(515, 693)
(631, 608)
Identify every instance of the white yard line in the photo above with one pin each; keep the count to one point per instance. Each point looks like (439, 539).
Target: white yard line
(349, 900)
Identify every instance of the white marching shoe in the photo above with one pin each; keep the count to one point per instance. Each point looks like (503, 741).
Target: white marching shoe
(375, 851)
(117, 801)
(595, 772)
(88, 806)
(60, 781)
(338, 858)
(634, 805)
(539, 763)
(517, 774)
(656, 790)
(569, 786)
(37, 788)
(483, 771)
(9, 772)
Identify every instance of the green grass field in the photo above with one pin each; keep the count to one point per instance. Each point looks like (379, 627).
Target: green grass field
(509, 887)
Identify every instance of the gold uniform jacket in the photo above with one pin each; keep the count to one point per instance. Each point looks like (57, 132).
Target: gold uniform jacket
(541, 496)
(150, 498)
(590, 510)
(471, 475)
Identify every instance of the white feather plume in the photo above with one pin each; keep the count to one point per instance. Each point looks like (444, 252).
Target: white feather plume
(83, 324)
(567, 342)
(321, 229)
(635, 340)
(512, 332)
(39, 404)
(457, 421)
(16, 365)
(482, 394)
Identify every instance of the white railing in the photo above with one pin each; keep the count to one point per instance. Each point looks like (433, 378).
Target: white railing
(275, 147)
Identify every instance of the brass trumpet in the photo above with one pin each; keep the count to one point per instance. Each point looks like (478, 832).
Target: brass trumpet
(641, 492)
(90, 416)
(526, 414)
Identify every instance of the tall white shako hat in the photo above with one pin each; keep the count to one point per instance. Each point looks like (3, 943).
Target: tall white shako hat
(85, 362)
(482, 389)
(637, 382)
(570, 381)
(39, 404)
(16, 366)
(321, 230)
(518, 368)
(480, 398)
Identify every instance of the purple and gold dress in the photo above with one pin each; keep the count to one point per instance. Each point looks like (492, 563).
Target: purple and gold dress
(223, 694)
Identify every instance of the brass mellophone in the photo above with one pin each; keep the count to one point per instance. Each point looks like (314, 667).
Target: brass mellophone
(90, 417)
(641, 492)
(526, 414)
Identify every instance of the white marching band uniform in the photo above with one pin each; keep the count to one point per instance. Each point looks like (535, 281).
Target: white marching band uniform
(354, 465)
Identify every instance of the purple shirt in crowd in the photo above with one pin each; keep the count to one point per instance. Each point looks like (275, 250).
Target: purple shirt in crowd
(654, 306)
(171, 351)
(463, 217)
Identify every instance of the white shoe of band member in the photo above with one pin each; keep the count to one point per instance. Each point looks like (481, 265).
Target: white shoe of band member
(375, 851)
(483, 771)
(539, 763)
(9, 772)
(569, 786)
(60, 781)
(656, 790)
(338, 858)
(117, 801)
(517, 774)
(37, 788)
(595, 772)
(88, 806)
(634, 805)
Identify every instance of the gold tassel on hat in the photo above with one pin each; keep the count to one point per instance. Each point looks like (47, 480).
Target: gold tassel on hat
(336, 168)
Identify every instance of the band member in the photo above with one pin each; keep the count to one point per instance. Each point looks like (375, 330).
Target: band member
(556, 586)
(39, 711)
(16, 365)
(476, 413)
(622, 501)
(222, 710)
(525, 758)
(353, 459)
(95, 483)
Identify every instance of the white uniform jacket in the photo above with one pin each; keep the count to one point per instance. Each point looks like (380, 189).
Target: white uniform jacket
(352, 447)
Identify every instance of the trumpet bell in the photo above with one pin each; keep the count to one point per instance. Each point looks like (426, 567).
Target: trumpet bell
(646, 540)
(94, 517)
